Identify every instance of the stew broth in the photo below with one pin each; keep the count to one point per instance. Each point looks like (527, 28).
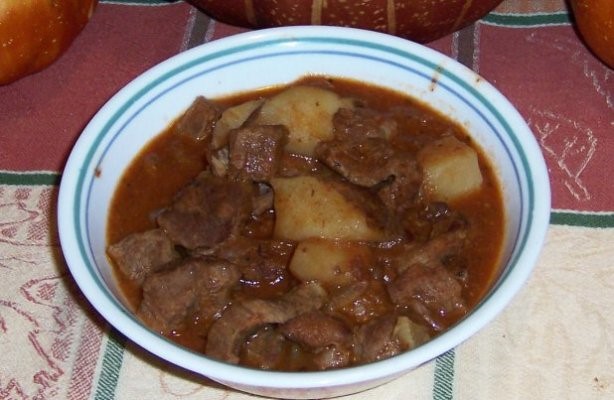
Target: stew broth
(173, 160)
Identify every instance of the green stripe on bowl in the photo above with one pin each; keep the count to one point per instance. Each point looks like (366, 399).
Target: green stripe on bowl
(96, 143)
(347, 42)
(444, 377)
(528, 20)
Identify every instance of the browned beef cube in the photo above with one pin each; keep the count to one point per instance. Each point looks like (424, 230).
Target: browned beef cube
(229, 332)
(401, 191)
(263, 263)
(197, 288)
(362, 122)
(375, 340)
(428, 221)
(430, 291)
(140, 254)
(316, 329)
(207, 212)
(199, 119)
(333, 356)
(433, 253)
(265, 349)
(255, 151)
(386, 336)
(372, 162)
(361, 301)
(362, 161)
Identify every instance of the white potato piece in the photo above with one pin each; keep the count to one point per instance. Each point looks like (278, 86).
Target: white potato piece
(450, 169)
(232, 118)
(329, 262)
(306, 207)
(307, 112)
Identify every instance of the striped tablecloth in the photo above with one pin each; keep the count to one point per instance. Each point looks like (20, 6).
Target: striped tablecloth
(555, 341)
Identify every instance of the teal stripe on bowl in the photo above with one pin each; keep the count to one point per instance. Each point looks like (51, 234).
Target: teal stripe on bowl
(90, 162)
(85, 178)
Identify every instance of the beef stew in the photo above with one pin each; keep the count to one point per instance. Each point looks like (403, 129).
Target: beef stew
(320, 225)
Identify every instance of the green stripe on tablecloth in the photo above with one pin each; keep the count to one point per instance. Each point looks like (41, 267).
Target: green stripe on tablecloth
(443, 384)
(528, 20)
(588, 220)
(29, 178)
(111, 366)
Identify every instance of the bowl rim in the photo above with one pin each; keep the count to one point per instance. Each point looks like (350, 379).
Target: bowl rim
(69, 208)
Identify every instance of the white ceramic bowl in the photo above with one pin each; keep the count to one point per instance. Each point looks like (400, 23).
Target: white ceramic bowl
(270, 57)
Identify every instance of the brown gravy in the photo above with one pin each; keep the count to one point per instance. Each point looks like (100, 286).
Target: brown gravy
(171, 161)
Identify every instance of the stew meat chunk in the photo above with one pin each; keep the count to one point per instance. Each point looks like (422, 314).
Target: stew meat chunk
(295, 250)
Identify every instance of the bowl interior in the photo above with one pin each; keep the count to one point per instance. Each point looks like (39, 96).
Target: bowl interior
(279, 56)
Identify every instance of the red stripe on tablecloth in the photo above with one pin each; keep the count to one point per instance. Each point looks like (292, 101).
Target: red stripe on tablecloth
(219, 30)
(570, 108)
(43, 114)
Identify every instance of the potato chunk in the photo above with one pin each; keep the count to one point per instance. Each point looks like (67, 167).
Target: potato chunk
(329, 262)
(307, 112)
(450, 169)
(306, 207)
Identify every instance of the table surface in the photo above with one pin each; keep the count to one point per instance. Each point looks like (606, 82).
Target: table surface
(556, 339)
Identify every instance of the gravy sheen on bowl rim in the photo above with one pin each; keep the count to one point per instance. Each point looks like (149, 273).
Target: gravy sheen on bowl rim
(280, 56)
